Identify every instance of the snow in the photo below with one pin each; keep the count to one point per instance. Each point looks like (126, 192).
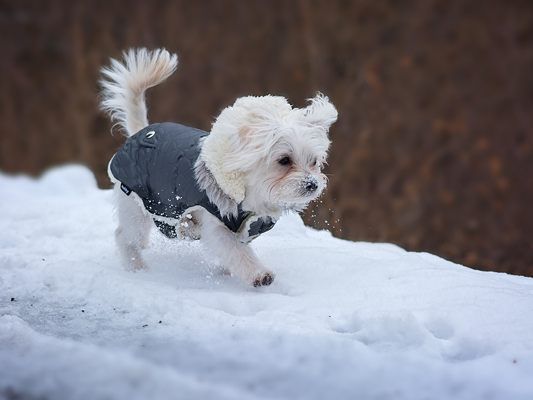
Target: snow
(343, 320)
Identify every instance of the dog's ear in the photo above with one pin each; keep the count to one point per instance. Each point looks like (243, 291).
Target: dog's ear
(257, 122)
(321, 112)
(241, 135)
(261, 116)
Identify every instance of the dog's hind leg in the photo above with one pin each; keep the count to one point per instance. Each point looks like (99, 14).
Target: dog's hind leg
(133, 231)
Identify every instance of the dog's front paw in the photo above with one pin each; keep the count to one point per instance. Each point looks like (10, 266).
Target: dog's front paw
(188, 227)
(264, 279)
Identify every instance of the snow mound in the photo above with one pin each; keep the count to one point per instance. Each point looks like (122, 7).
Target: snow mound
(343, 320)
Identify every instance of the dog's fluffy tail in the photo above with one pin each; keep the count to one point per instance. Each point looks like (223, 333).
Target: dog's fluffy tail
(124, 84)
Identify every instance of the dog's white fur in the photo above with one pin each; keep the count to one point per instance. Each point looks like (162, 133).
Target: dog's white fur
(242, 161)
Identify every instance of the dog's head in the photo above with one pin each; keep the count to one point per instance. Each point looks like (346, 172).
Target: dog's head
(268, 155)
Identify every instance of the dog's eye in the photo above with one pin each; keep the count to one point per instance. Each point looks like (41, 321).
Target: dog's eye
(313, 164)
(285, 161)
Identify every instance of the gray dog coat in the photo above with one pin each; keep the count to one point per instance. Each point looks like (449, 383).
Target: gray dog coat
(157, 163)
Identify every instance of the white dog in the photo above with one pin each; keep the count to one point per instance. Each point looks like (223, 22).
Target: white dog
(261, 158)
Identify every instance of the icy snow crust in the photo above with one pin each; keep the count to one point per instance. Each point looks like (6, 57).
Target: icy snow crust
(343, 320)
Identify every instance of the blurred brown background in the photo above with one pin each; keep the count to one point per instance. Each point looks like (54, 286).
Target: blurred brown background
(433, 147)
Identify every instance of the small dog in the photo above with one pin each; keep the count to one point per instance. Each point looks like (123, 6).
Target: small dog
(261, 158)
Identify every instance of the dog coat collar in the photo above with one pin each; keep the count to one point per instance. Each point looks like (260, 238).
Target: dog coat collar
(157, 163)
(214, 149)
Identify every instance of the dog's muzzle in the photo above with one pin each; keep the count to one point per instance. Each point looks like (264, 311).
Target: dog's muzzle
(309, 185)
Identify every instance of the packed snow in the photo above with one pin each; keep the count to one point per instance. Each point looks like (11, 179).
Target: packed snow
(342, 320)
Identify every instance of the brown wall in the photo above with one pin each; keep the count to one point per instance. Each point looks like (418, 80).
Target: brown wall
(433, 147)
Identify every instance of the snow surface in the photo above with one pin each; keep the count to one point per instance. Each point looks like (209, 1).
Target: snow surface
(343, 320)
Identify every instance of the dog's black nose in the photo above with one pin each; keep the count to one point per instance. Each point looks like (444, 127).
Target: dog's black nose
(311, 186)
